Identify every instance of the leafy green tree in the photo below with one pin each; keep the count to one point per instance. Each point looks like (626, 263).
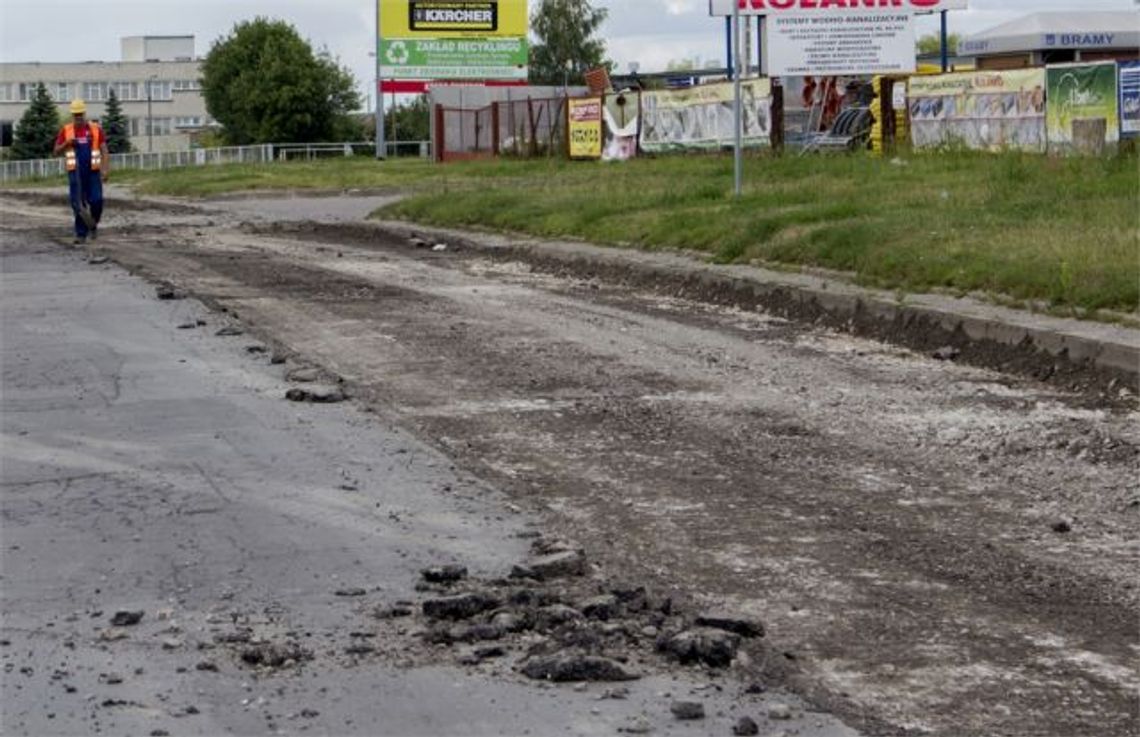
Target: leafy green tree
(931, 43)
(567, 46)
(412, 121)
(263, 83)
(115, 126)
(34, 135)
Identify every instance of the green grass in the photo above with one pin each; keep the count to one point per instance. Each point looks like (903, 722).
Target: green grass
(1019, 227)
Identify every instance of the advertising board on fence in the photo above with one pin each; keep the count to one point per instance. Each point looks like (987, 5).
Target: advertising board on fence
(981, 110)
(453, 39)
(1130, 98)
(702, 117)
(839, 43)
(1083, 110)
(584, 127)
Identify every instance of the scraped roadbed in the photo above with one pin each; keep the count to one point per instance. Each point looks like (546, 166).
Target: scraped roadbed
(935, 548)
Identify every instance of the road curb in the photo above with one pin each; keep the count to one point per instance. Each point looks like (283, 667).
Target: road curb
(1046, 347)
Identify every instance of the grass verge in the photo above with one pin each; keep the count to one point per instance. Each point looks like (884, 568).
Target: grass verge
(1023, 227)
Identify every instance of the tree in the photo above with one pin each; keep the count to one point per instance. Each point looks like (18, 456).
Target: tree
(566, 45)
(931, 43)
(412, 121)
(115, 126)
(263, 83)
(34, 136)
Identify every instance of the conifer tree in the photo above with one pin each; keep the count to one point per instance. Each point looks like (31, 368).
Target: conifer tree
(115, 126)
(34, 136)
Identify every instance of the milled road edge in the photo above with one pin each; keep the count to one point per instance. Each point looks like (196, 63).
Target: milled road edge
(1072, 353)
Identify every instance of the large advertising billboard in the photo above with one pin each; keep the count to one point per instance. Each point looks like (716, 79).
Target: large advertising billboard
(828, 45)
(831, 7)
(453, 39)
(1083, 111)
(981, 110)
(702, 117)
(1130, 98)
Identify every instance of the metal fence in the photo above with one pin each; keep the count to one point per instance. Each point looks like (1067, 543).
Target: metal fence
(530, 127)
(261, 154)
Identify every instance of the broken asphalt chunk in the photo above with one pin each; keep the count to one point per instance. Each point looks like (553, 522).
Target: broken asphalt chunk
(745, 727)
(743, 626)
(576, 668)
(710, 646)
(316, 394)
(124, 618)
(444, 574)
(686, 710)
(461, 606)
(554, 565)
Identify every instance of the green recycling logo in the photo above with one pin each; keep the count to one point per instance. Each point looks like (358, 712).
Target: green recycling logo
(397, 53)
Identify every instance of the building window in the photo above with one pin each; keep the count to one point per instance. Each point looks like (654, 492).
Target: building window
(160, 90)
(5, 92)
(62, 92)
(188, 121)
(185, 85)
(27, 91)
(95, 91)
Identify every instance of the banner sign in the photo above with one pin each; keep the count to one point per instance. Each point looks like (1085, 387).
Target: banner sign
(584, 127)
(1083, 101)
(980, 110)
(839, 44)
(832, 7)
(1130, 98)
(453, 39)
(702, 118)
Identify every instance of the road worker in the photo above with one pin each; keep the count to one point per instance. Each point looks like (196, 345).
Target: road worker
(88, 165)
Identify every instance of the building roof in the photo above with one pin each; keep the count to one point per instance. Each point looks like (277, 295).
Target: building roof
(1085, 30)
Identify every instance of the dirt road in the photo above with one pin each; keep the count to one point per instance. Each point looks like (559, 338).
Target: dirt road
(935, 549)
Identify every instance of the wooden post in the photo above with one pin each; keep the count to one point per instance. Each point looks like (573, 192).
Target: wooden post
(495, 128)
(440, 141)
(777, 133)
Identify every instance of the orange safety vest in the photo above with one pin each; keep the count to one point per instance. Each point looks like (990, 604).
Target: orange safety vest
(96, 146)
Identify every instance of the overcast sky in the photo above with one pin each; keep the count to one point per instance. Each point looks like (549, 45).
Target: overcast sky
(650, 32)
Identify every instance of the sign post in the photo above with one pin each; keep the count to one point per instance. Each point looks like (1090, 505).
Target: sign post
(737, 143)
(379, 91)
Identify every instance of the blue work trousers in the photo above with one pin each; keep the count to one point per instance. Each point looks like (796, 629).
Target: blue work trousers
(92, 194)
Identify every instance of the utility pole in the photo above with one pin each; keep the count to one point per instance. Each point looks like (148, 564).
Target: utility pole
(379, 92)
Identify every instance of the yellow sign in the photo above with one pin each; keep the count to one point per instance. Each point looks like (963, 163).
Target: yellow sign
(410, 19)
(584, 127)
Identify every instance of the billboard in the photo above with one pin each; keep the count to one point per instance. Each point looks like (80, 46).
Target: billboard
(1083, 111)
(832, 7)
(839, 44)
(980, 110)
(702, 117)
(453, 39)
(1130, 98)
(584, 127)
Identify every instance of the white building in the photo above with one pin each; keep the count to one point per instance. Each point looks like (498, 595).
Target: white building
(157, 83)
(1056, 37)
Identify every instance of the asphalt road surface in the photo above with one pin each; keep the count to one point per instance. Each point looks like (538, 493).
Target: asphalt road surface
(934, 548)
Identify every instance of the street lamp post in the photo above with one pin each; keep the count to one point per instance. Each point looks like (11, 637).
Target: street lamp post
(149, 119)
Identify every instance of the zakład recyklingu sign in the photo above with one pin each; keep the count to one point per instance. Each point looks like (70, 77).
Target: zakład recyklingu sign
(473, 40)
(775, 7)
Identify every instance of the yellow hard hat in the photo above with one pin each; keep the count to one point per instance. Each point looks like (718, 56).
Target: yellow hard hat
(78, 107)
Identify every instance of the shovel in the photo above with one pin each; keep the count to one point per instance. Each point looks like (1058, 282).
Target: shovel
(84, 207)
